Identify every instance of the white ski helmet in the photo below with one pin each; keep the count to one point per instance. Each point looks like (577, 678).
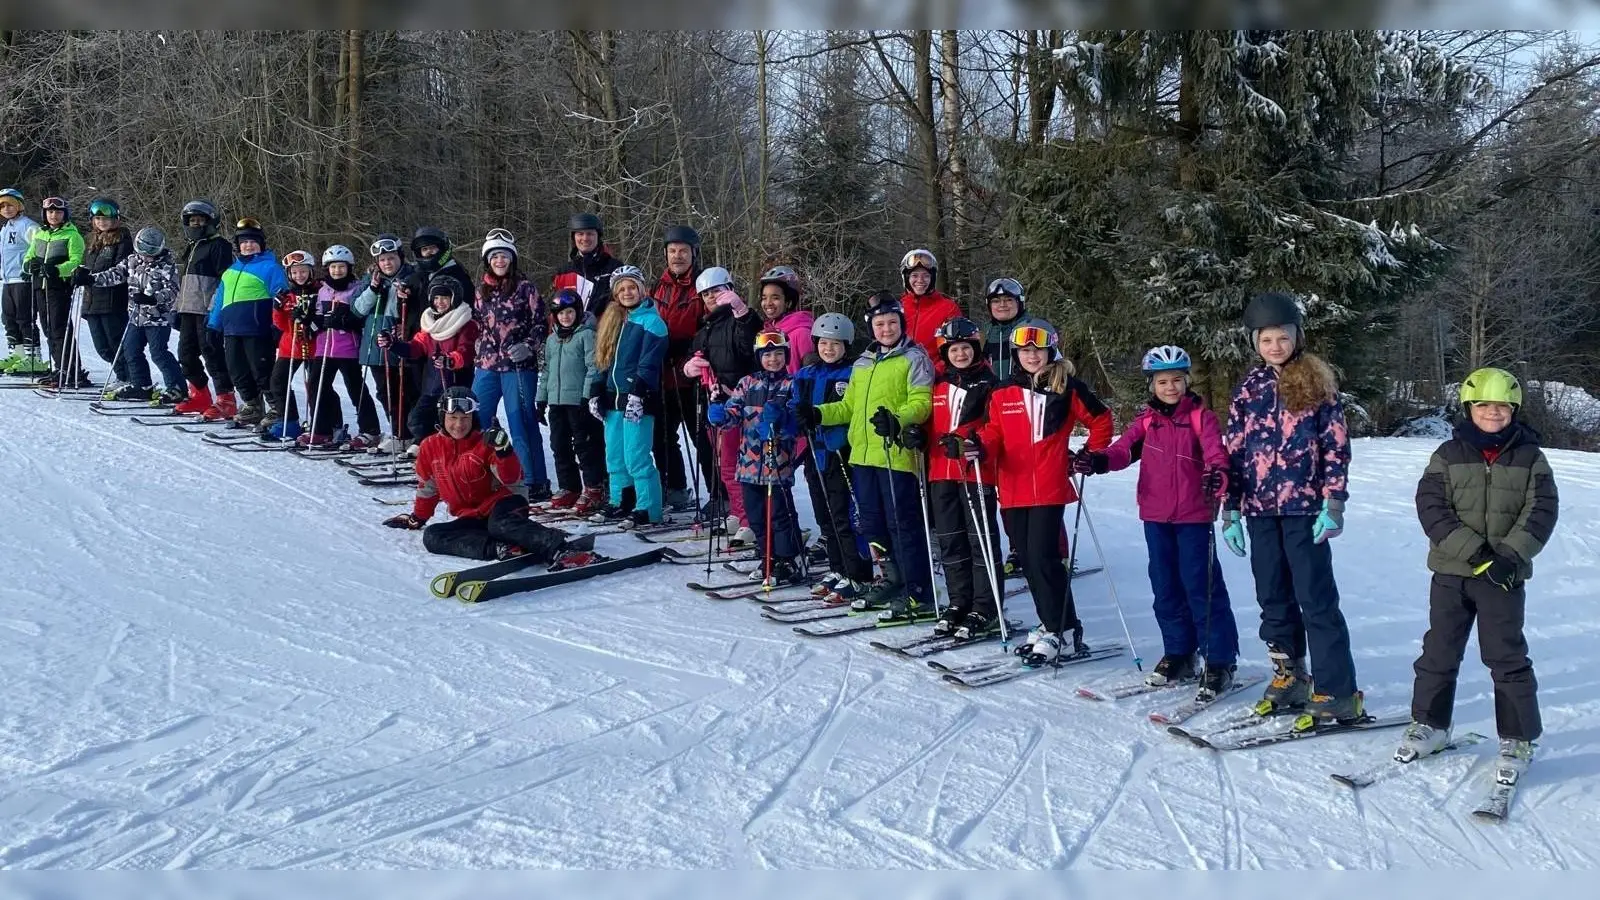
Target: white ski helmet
(835, 327)
(339, 253)
(716, 276)
(498, 239)
(629, 273)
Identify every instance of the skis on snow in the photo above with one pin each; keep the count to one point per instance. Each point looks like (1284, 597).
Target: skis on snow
(1222, 739)
(570, 567)
(1392, 767)
(1001, 669)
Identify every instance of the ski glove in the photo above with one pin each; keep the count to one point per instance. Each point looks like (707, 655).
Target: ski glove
(81, 277)
(405, 520)
(1214, 482)
(594, 409)
(1233, 532)
(634, 411)
(697, 366)
(33, 267)
(1330, 522)
(717, 414)
(497, 439)
(972, 449)
(772, 415)
(520, 353)
(539, 413)
(951, 445)
(885, 424)
(1090, 462)
(809, 416)
(1500, 571)
(914, 438)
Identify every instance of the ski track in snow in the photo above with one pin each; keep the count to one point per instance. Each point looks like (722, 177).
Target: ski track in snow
(221, 660)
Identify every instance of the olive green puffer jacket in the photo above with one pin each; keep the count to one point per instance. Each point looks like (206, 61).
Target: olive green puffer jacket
(1465, 502)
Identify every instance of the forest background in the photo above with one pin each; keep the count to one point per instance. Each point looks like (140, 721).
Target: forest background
(1432, 196)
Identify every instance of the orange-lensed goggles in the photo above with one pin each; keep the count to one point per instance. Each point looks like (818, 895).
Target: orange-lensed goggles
(772, 340)
(1033, 336)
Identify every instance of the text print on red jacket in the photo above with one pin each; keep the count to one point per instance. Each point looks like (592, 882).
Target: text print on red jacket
(1027, 433)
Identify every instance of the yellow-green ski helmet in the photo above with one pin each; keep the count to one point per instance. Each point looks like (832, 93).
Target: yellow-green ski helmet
(1490, 385)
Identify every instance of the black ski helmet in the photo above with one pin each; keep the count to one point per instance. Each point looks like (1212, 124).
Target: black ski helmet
(458, 399)
(445, 286)
(682, 234)
(586, 222)
(1271, 310)
(959, 330)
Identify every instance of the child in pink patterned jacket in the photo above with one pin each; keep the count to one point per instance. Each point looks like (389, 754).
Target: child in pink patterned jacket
(1182, 476)
(1288, 455)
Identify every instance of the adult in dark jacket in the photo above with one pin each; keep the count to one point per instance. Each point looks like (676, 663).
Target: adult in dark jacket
(105, 309)
(722, 352)
(200, 350)
(434, 255)
(680, 307)
(589, 270)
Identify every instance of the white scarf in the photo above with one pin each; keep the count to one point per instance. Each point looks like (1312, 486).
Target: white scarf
(443, 328)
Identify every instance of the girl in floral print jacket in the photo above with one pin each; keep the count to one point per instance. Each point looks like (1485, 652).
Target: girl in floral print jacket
(1288, 460)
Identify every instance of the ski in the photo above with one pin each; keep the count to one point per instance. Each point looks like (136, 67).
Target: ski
(1391, 767)
(132, 409)
(396, 481)
(1131, 689)
(699, 588)
(1011, 670)
(792, 604)
(1192, 707)
(444, 584)
(593, 564)
(867, 620)
(167, 419)
(230, 436)
(1496, 803)
(379, 471)
(68, 394)
(390, 501)
(203, 427)
(1365, 723)
(929, 644)
(260, 445)
(784, 592)
(800, 614)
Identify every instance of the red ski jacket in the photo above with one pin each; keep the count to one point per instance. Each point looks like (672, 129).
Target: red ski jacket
(1027, 433)
(959, 401)
(466, 474)
(681, 309)
(924, 315)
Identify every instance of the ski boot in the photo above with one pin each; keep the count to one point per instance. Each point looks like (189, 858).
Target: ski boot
(890, 588)
(128, 394)
(1289, 688)
(1025, 646)
(817, 555)
(846, 590)
(949, 621)
(199, 401)
(224, 406)
(1214, 682)
(1421, 740)
(249, 415)
(1326, 708)
(785, 572)
(905, 608)
(640, 518)
(504, 550)
(313, 440)
(563, 500)
(167, 396)
(975, 626)
(825, 586)
(286, 430)
(612, 514)
(539, 492)
(678, 500)
(743, 537)
(589, 502)
(1013, 567)
(1513, 760)
(29, 363)
(1171, 669)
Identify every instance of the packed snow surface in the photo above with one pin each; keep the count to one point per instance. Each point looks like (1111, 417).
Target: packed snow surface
(221, 660)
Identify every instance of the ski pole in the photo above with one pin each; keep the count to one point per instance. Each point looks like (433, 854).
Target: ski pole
(986, 547)
(1111, 583)
(117, 354)
(921, 460)
(766, 461)
(715, 439)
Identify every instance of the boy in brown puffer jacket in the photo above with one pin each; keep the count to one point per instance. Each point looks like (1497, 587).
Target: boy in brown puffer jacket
(1488, 504)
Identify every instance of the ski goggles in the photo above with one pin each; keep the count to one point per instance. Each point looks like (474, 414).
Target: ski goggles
(500, 234)
(771, 340)
(917, 259)
(384, 245)
(108, 210)
(299, 258)
(1033, 336)
(1004, 287)
(460, 405)
(54, 203)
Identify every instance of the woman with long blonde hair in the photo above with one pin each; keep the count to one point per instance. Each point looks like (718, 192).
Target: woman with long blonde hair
(630, 345)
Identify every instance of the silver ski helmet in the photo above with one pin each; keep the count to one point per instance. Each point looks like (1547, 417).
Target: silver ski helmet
(834, 327)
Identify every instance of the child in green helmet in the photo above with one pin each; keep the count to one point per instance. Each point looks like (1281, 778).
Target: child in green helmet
(1488, 504)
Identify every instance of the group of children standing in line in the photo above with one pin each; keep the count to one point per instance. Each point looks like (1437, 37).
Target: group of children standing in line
(937, 425)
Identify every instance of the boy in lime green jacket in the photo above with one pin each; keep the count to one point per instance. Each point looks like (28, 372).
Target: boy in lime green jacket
(889, 396)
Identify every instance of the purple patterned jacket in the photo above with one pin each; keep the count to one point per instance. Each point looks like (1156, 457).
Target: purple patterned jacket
(1283, 463)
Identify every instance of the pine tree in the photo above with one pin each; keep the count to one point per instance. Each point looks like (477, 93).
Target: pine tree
(1207, 166)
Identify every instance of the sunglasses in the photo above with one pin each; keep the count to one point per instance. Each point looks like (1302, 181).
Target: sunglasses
(1004, 287)
(1032, 336)
(384, 245)
(461, 405)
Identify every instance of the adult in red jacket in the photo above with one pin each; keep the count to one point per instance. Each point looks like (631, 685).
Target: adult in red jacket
(477, 475)
(681, 309)
(1029, 424)
(925, 308)
(589, 269)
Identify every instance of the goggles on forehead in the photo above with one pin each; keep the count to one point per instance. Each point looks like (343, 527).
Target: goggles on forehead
(772, 340)
(54, 203)
(384, 245)
(1004, 287)
(299, 258)
(1033, 336)
(103, 209)
(500, 234)
(462, 405)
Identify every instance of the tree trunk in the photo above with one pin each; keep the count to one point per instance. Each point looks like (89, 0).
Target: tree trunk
(949, 50)
(353, 121)
(341, 84)
(763, 123)
(1041, 85)
(927, 134)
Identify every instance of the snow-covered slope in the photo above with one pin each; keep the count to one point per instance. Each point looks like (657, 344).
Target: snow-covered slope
(220, 660)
